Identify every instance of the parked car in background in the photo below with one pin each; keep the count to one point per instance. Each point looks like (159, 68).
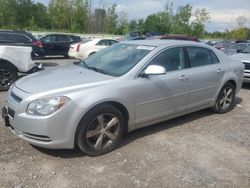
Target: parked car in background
(58, 44)
(83, 49)
(22, 38)
(210, 43)
(180, 37)
(124, 87)
(235, 48)
(244, 57)
(221, 45)
(15, 61)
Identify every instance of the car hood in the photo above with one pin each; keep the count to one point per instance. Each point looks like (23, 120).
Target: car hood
(243, 57)
(63, 77)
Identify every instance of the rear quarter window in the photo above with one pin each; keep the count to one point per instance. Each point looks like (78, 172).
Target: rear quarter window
(22, 38)
(7, 37)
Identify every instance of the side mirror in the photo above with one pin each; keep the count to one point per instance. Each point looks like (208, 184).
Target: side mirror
(238, 50)
(154, 70)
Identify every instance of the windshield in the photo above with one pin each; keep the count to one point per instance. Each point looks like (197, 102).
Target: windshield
(237, 46)
(117, 59)
(246, 50)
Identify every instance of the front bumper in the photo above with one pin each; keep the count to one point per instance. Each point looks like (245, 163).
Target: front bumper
(56, 131)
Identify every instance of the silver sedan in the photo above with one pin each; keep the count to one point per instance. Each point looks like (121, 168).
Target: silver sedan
(92, 103)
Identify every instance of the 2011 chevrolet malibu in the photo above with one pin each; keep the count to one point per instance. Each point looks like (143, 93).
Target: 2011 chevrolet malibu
(129, 85)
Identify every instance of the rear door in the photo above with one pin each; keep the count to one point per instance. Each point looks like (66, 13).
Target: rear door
(205, 74)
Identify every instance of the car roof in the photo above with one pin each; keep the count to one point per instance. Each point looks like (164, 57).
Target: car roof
(158, 42)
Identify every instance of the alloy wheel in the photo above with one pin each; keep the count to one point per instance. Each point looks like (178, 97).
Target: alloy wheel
(6, 77)
(226, 98)
(103, 131)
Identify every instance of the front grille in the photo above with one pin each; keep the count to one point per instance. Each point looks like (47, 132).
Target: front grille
(247, 66)
(15, 97)
(37, 137)
(11, 112)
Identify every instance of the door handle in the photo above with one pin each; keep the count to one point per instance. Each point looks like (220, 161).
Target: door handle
(183, 77)
(219, 70)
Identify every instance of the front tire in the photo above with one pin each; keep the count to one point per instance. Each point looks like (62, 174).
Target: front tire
(100, 130)
(8, 75)
(225, 100)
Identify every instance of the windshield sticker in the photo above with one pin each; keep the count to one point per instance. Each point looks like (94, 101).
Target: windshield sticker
(145, 48)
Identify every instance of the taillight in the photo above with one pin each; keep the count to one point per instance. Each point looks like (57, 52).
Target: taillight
(37, 43)
(78, 47)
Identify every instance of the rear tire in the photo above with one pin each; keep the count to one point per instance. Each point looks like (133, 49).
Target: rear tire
(225, 100)
(8, 75)
(100, 130)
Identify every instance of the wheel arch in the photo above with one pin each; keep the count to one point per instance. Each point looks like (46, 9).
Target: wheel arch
(116, 104)
(4, 61)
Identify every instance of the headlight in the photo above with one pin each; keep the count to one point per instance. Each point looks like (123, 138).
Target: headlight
(44, 107)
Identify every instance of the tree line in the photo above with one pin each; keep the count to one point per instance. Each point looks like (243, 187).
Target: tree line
(79, 16)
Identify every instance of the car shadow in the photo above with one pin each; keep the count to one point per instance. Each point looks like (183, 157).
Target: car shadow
(246, 86)
(137, 134)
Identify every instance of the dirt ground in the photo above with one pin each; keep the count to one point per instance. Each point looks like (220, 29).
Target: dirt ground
(201, 149)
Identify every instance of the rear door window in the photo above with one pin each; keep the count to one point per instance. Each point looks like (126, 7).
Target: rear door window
(22, 38)
(103, 43)
(199, 56)
(112, 42)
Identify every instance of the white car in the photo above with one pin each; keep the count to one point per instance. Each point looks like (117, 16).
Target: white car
(15, 61)
(84, 49)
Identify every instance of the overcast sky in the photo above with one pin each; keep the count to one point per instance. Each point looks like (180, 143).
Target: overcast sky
(223, 12)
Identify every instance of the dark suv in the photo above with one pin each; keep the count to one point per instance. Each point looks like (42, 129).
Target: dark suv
(58, 44)
(22, 38)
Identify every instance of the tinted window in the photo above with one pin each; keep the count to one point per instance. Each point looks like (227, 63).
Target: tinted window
(50, 38)
(103, 43)
(112, 42)
(7, 37)
(22, 38)
(171, 59)
(62, 38)
(246, 50)
(199, 56)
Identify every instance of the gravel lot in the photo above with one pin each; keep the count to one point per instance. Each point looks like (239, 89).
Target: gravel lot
(201, 149)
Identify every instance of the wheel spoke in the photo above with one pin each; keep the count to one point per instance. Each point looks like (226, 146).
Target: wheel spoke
(229, 92)
(98, 144)
(225, 92)
(111, 123)
(92, 133)
(224, 104)
(100, 121)
(110, 135)
(107, 144)
(229, 100)
(222, 101)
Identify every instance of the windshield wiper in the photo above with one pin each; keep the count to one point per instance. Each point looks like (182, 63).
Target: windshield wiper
(84, 64)
(98, 70)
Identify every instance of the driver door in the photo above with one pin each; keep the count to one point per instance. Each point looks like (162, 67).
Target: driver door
(159, 96)
(49, 44)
